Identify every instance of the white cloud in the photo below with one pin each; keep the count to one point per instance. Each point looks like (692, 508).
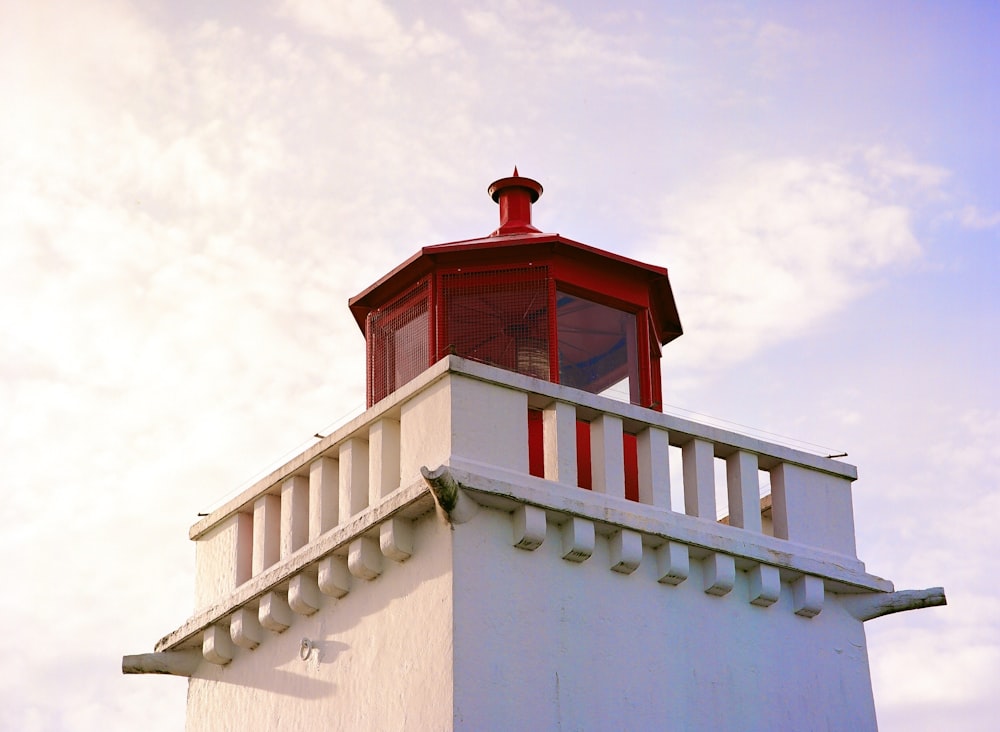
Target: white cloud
(973, 218)
(966, 658)
(888, 169)
(368, 20)
(767, 249)
(371, 23)
(545, 41)
(775, 46)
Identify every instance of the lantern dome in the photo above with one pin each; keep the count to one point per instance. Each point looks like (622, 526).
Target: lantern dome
(526, 301)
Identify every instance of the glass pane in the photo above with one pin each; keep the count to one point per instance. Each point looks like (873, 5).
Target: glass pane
(597, 348)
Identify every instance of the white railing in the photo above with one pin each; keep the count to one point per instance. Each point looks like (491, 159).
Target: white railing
(335, 511)
(810, 496)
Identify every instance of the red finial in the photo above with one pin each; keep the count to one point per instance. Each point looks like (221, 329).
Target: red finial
(515, 196)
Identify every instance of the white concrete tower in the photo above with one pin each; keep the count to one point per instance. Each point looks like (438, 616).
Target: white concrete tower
(492, 544)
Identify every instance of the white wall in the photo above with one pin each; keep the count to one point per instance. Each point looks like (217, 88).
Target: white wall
(544, 643)
(384, 658)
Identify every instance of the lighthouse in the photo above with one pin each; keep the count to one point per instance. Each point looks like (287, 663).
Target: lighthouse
(493, 544)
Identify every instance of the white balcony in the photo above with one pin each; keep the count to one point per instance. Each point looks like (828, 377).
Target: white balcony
(339, 511)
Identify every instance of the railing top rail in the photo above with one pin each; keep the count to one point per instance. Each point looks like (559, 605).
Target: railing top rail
(681, 429)
(388, 407)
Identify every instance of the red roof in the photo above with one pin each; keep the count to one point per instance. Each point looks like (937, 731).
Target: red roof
(583, 267)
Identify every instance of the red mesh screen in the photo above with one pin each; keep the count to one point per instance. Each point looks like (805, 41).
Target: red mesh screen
(398, 335)
(499, 317)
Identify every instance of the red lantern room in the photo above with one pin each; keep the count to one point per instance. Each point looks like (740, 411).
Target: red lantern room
(535, 303)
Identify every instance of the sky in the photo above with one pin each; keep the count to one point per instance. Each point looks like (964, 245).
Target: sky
(190, 192)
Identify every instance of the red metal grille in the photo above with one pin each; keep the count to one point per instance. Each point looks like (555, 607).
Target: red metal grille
(499, 317)
(398, 340)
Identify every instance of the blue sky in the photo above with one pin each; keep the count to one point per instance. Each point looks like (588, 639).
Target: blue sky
(188, 197)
